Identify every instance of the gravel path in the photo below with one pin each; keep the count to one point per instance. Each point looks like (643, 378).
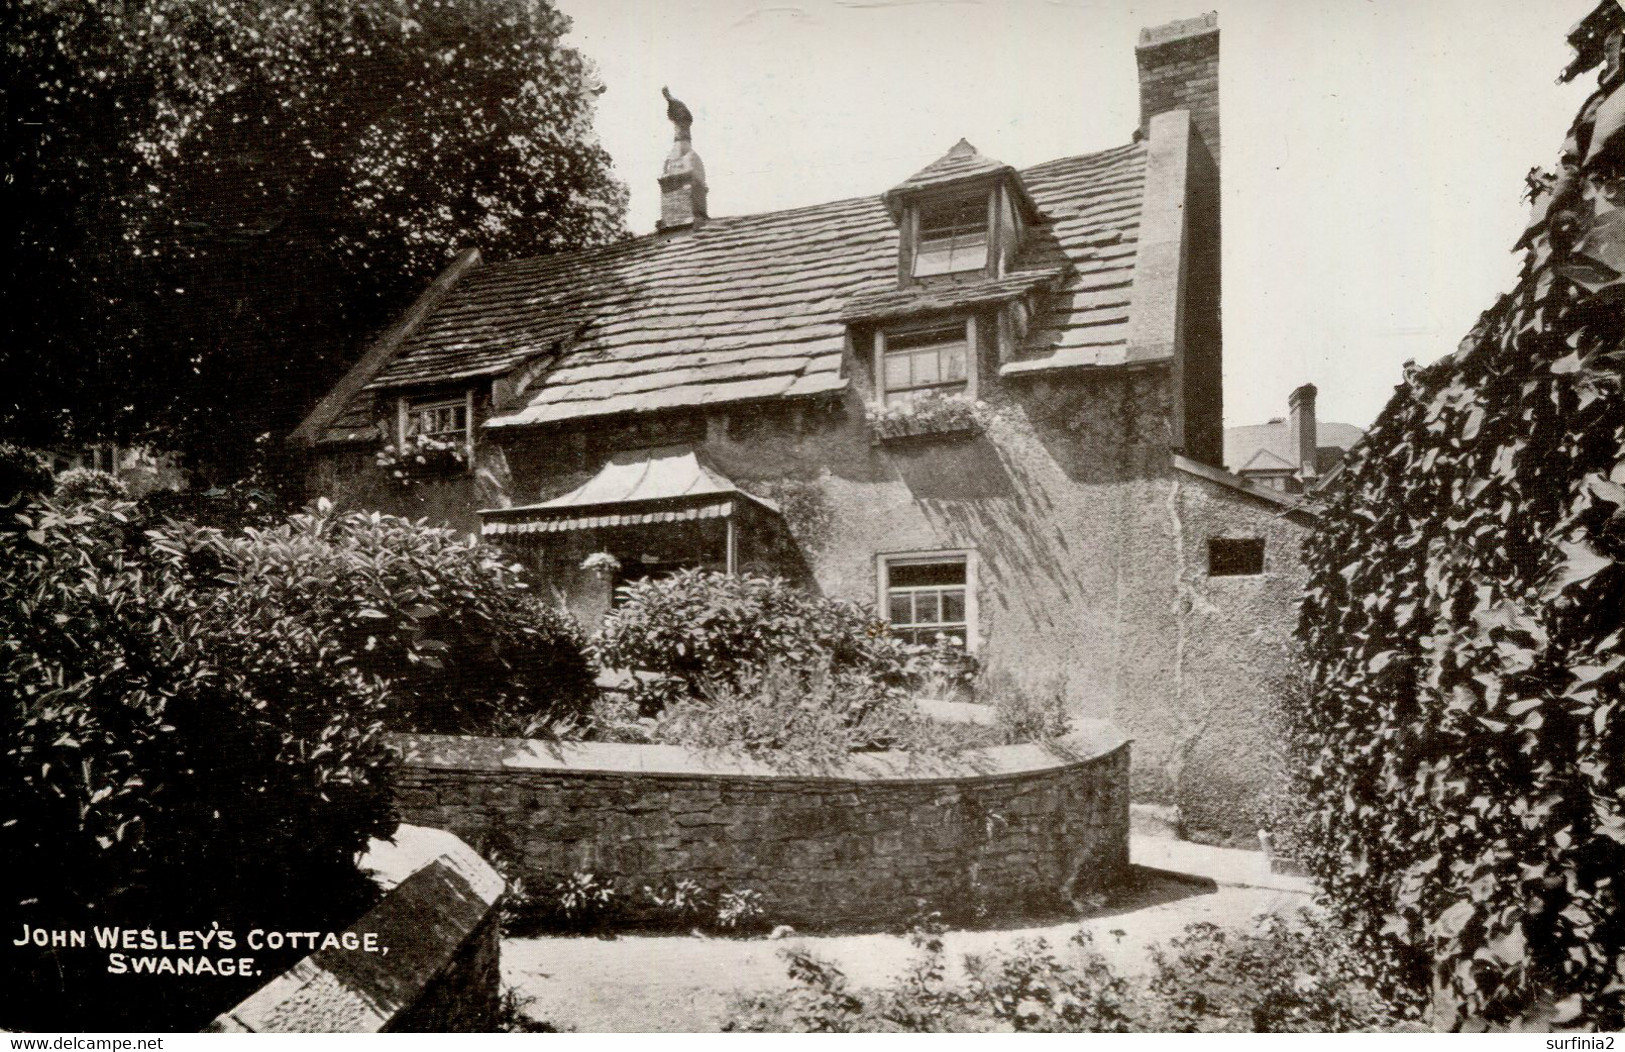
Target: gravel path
(685, 983)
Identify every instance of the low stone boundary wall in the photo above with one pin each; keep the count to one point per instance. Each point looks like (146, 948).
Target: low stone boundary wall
(1026, 827)
(440, 922)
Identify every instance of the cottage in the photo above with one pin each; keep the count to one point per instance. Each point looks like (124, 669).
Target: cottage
(986, 400)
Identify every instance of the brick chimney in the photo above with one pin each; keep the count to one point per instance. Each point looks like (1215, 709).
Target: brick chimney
(1179, 75)
(682, 179)
(1301, 428)
(1179, 70)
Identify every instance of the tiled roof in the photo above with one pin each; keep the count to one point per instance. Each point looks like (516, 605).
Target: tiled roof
(962, 161)
(885, 304)
(1242, 445)
(751, 306)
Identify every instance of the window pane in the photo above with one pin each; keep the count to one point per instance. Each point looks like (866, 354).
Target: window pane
(901, 610)
(954, 357)
(926, 608)
(896, 371)
(916, 575)
(925, 368)
(953, 606)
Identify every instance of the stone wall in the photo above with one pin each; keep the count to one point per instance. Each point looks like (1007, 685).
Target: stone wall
(1015, 828)
(439, 920)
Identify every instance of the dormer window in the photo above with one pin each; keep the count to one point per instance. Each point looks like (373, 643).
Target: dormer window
(961, 215)
(446, 419)
(953, 237)
(917, 362)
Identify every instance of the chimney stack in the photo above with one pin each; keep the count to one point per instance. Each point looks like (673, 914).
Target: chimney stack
(1301, 426)
(682, 180)
(1179, 70)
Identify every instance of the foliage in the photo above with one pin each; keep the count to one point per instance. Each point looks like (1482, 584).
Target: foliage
(1028, 989)
(1278, 977)
(513, 1015)
(740, 909)
(799, 719)
(176, 757)
(683, 901)
(461, 642)
(211, 203)
(83, 485)
(1026, 714)
(702, 631)
(583, 900)
(23, 473)
(936, 414)
(421, 456)
(1463, 626)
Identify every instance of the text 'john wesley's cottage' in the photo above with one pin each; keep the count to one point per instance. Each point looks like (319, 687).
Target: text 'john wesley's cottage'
(986, 400)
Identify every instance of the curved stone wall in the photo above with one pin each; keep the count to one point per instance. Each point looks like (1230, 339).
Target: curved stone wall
(1024, 827)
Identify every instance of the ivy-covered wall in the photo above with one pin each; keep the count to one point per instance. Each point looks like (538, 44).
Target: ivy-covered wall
(1465, 723)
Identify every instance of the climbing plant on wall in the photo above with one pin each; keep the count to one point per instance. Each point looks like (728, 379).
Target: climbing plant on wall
(1466, 717)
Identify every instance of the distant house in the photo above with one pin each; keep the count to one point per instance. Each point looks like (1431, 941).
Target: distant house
(986, 400)
(1290, 454)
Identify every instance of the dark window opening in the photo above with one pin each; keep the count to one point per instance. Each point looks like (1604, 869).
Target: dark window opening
(1235, 557)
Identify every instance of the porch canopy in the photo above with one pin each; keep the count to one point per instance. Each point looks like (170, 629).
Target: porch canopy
(635, 488)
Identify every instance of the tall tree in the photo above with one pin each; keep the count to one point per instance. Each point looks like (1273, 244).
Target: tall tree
(209, 203)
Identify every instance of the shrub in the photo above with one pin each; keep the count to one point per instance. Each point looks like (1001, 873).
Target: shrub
(1278, 977)
(1463, 625)
(176, 757)
(808, 719)
(24, 473)
(82, 485)
(463, 645)
(701, 630)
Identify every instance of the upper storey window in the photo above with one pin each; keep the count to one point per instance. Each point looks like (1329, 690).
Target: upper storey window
(445, 419)
(921, 362)
(953, 237)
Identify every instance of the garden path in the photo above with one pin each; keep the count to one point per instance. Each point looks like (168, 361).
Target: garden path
(686, 983)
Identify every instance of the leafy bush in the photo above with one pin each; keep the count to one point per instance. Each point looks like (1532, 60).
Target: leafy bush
(82, 485)
(24, 472)
(176, 757)
(812, 720)
(1278, 977)
(1463, 625)
(463, 645)
(702, 630)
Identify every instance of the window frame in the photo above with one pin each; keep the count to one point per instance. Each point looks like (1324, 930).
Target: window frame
(967, 386)
(963, 205)
(885, 561)
(406, 407)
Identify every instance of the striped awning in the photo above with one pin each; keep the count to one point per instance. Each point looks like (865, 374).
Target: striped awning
(642, 487)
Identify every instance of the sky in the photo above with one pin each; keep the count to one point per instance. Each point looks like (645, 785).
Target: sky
(1374, 150)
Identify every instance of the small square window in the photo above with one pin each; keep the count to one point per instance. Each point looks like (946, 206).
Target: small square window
(952, 238)
(1235, 556)
(927, 596)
